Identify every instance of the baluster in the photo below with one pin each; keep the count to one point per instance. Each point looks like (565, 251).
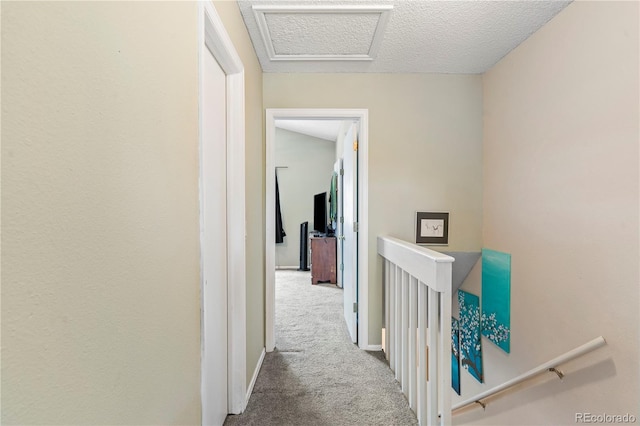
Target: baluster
(422, 353)
(405, 337)
(387, 284)
(398, 328)
(413, 329)
(391, 331)
(432, 359)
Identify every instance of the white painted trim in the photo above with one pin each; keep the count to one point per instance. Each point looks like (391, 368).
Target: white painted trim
(219, 42)
(201, 44)
(236, 239)
(337, 8)
(363, 234)
(255, 376)
(363, 206)
(328, 58)
(375, 348)
(270, 237)
(214, 36)
(260, 12)
(421, 262)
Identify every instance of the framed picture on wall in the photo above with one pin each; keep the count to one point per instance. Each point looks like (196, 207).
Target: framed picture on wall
(432, 228)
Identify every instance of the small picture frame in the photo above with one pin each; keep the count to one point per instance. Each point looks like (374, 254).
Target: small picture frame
(432, 228)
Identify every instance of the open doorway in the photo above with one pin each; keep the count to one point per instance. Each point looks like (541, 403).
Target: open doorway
(305, 155)
(355, 311)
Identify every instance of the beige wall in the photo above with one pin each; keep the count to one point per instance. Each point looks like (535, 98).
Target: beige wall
(561, 195)
(255, 160)
(100, 285)
(425, 152)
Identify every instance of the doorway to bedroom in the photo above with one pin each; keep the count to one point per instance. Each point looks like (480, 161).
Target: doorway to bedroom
(305, 155)
(315, 188)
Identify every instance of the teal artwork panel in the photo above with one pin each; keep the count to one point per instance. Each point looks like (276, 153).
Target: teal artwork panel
(455, 355)
(470, 347)
(496, 298)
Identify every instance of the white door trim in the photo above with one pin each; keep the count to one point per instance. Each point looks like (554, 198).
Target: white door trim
(273, 114)
(213, 35)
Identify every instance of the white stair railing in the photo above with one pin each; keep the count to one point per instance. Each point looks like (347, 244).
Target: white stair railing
(417, 286)
(549, 366)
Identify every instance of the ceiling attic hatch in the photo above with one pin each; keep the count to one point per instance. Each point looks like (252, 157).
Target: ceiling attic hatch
(322, 33)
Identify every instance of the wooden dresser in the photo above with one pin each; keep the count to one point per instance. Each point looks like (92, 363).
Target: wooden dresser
(323, 260)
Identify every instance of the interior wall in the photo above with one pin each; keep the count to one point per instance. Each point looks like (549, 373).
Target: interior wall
(561, 186)
(100, 262)
(255, 186)
(309, 166)
(425, 152)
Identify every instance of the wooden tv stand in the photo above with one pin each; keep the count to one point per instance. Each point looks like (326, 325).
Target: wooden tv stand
(323, 260)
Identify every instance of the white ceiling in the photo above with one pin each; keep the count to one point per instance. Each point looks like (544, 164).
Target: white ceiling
(390, 36)
(323, 129)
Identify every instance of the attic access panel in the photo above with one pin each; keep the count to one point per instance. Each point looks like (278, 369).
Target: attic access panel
(322, 33)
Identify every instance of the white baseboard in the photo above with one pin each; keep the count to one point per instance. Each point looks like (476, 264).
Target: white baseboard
(287, 268)
(255, 375)
(373, 348)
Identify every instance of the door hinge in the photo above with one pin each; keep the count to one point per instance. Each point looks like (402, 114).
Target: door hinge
(341, 172)
(356, 227)
(355, 145)
(355, 306)
(342, 266)
(341, 219)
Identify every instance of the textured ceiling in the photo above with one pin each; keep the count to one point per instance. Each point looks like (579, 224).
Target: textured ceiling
(323, 129)
(420, 36)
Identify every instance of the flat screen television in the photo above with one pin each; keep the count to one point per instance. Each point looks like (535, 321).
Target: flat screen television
(320, 212)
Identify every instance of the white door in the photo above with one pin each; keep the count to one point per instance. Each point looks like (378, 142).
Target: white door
(349, 226)
(214, 242)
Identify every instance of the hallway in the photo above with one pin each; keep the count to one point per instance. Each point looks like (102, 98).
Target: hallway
(316, 376)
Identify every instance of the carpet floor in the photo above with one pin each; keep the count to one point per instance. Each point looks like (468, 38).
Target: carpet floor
(316, 376)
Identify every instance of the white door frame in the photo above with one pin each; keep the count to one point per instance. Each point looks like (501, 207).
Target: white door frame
(213, 36)
(362, 115)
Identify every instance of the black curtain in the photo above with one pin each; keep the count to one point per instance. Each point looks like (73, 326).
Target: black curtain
(280, 234)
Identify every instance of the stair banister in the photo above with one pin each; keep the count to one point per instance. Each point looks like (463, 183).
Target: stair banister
(417, 283)
(534, 372)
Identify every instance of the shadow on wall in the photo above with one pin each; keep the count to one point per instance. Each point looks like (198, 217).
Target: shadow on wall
(464, 263)
(545, 386)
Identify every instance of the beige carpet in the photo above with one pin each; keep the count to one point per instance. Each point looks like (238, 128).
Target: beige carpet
(316, 376)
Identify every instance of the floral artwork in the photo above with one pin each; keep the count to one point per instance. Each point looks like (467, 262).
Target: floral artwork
(496, 298)
(469, 338)
(455, 355)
